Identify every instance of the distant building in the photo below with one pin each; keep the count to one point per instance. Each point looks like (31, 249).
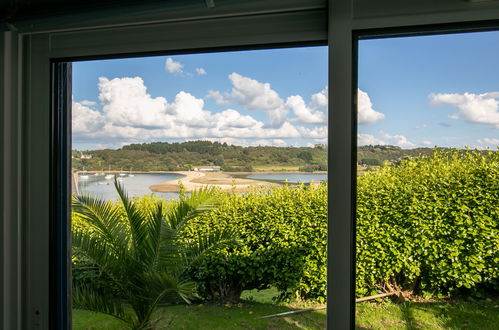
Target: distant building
(83, 156)
(206, 168)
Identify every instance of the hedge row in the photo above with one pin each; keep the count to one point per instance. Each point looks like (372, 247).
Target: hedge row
(429, 224)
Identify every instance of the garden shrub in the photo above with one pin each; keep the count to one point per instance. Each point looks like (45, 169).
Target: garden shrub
(283, 244)
(428, 224)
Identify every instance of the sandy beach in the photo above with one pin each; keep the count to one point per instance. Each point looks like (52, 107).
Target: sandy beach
(196, 180)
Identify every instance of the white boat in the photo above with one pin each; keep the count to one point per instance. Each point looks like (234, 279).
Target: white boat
(122, 174)
(120, 179)
(83, 177)
(131, 175)
(109, 177)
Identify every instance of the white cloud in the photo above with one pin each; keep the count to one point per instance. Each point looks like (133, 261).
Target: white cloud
(88, 103)
(129, 113)
(304, 113)
(253, 95)
(421, 126)
(365, 112)
(385, 138)
(426, 143)
(397, 140)
(173, 66)
(368, 139)
(126, 102)
(493, 142)
(201, 71)
(473, 108)
(320, 100)
(85, 119)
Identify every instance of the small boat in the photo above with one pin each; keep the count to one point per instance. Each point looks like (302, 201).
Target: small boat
(120, 179)
(109, 177)
(96, 174)
(83, 177)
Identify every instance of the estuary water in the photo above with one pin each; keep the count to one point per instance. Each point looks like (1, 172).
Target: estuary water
(290, 177)
(136, 185)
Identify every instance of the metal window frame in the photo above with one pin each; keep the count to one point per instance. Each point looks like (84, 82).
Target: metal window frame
(31, 151)
(46, 130)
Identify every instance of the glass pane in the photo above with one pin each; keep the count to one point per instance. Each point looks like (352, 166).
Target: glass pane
(223, 157)
(427, 182)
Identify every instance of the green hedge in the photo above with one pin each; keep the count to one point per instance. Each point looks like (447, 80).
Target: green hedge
(428, 224)
(283, 243)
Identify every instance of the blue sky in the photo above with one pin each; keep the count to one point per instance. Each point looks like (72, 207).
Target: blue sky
(418, 91)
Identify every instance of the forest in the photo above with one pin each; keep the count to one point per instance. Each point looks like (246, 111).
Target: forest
(178, 156)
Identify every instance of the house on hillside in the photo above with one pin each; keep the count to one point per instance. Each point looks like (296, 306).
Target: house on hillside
(206, 168)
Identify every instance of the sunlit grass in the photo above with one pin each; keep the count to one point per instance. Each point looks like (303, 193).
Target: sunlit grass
(369, 315)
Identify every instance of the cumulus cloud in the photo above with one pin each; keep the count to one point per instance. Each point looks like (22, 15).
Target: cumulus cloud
(88, 103)
(365, 112)
(368, 139)
(397, 140)
(125, 101)
(385, 138)
(173, 66)
(85, 119)
(253, 95)
(201, 71)
(304, 113)
(472, 108)
(492, 142)
(128, 112)
(320, 100)
(426, 143)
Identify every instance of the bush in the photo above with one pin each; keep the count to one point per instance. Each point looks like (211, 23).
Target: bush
(429, 224)
(283, 244)
(371, 162)
(313, 168)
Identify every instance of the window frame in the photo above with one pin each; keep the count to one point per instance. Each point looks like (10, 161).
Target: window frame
(30, 151)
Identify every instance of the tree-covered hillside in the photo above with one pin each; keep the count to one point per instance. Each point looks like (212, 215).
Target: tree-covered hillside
(164, 156)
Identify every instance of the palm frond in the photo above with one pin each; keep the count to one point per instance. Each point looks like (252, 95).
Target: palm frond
(102, 218)
(194, 249)
(197, 203)
(136, 220)
(90, 299)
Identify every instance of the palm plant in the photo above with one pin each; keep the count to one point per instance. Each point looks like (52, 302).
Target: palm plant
(140, 252)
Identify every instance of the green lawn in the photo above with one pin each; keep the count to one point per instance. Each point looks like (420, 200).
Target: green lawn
(369, 315)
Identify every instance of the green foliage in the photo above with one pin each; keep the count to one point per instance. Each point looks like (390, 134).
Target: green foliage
(430, 223)
(135, 248)
(313, 168)
(371, 161)
(164, 156)
(283, 244)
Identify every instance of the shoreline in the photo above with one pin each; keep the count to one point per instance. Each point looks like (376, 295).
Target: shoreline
(194, 180)
(223, 180)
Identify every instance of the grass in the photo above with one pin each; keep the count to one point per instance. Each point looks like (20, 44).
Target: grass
(275, 168)
(369, 315)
